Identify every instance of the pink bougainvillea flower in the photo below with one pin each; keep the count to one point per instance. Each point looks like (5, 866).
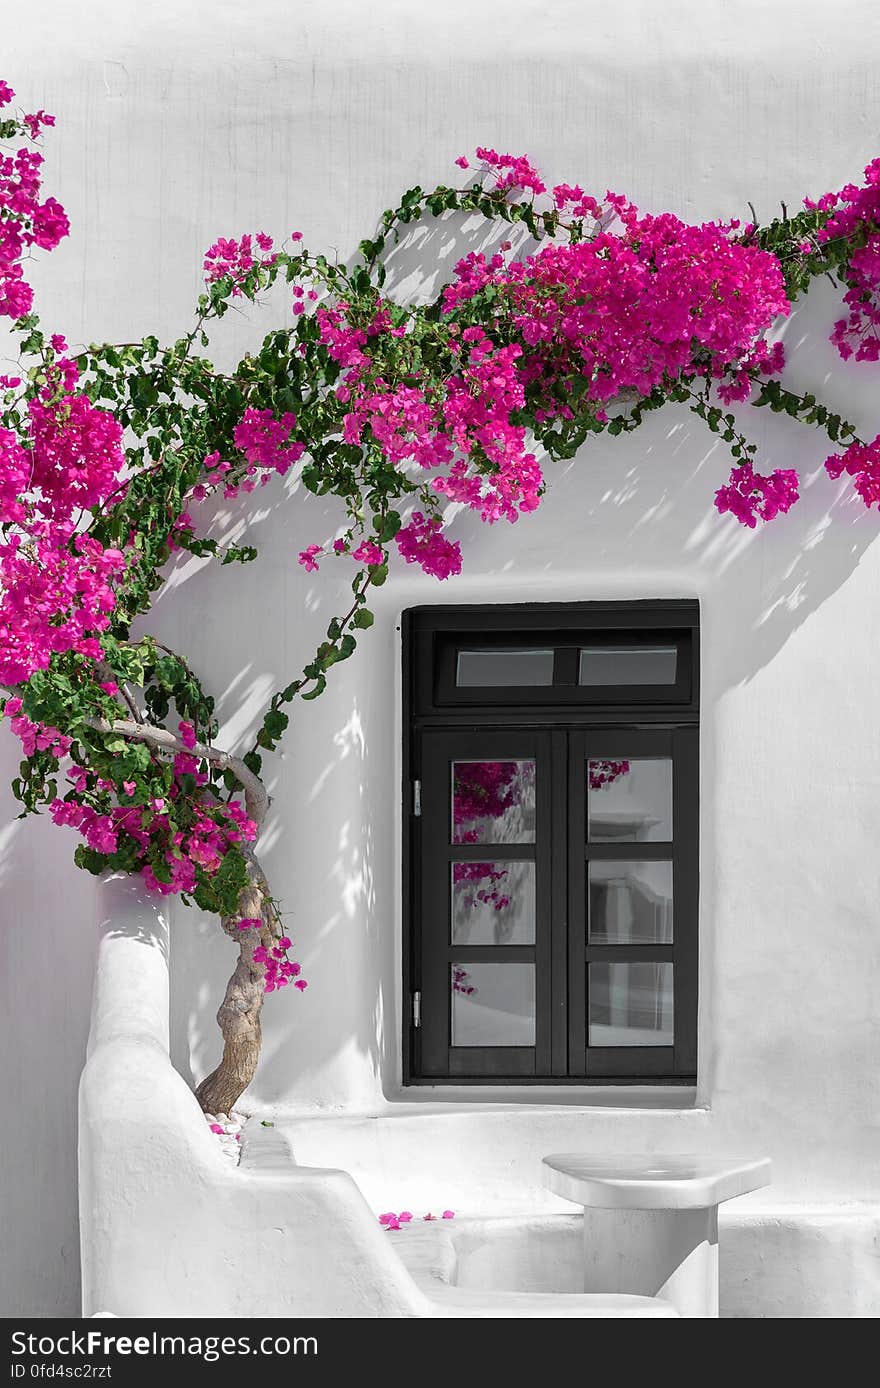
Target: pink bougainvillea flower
(368, 553)
(420, 542)
(308, 560)
(751, 497)
(235, 259)
(266, 442)
(862, 463)
(390, 1220)
(35, 121)
(511, 171)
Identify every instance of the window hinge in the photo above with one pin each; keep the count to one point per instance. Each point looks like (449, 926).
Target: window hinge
(417, 1009)
(417, 799)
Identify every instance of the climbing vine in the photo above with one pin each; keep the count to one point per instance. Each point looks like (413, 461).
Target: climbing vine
(109, 451)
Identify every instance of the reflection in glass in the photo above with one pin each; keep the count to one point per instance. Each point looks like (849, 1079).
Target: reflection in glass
(493, 802)
(493, 903)
(630, 903)
(630, 1004)
(627, 665)
(630, 801)
(499, 668)
(493, 1004)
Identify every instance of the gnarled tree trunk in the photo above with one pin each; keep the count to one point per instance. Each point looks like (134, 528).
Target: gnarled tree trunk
(239, 1013)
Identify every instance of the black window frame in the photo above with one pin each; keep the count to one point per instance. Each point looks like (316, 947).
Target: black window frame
(561, 726)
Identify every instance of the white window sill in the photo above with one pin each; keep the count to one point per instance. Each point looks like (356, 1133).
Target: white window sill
(629, 1097)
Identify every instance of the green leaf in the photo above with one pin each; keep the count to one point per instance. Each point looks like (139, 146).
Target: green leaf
(388, 527)
(94, 862)
(363, 618)
(275, 722)
(320, 686)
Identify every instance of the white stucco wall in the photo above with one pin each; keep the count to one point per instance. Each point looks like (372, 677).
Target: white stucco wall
(179, 123)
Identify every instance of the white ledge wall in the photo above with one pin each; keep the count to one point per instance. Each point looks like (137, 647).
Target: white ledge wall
(181, 123)
(154, 1186)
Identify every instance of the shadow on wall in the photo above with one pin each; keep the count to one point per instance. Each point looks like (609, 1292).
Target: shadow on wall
(628, 516)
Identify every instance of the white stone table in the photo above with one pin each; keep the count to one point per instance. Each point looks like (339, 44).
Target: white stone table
(651, 1223)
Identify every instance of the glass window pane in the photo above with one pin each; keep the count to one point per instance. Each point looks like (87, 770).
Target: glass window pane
(630, 1004)
(630, 903)
(493, 802)
(627, 665)
(497, 668)
(493, 1004)
(630, 801)
(493, 903)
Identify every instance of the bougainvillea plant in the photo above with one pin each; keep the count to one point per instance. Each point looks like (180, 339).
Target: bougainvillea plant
(108, 451)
